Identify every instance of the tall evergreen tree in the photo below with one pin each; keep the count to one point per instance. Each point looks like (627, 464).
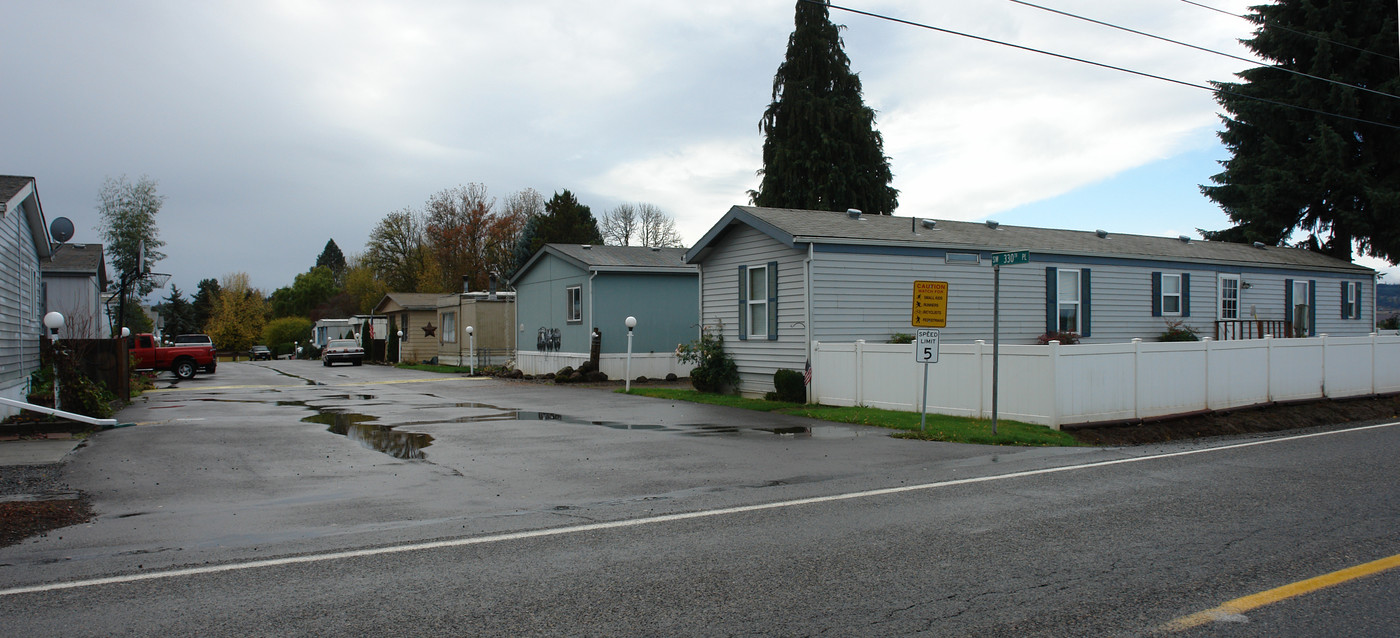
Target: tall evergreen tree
(1335, 179)
(204, 299)
(177, 313)
(565, 221)
(821, 150)
(332, 258)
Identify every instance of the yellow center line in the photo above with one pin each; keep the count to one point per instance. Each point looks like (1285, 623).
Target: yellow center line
(1254, 601)
(303, 385)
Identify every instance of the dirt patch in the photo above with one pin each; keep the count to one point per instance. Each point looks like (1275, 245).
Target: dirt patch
(1271, 418)
(23, 519)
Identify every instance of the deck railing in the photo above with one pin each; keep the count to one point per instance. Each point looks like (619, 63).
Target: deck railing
(1234, 329)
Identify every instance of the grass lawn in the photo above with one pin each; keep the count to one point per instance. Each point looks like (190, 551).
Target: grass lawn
(938, 427)
(428, 367)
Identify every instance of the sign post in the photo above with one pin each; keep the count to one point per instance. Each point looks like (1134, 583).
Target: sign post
(925, 352)
(999, 260)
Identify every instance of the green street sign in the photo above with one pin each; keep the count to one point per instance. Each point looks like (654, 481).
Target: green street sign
(1011, 259)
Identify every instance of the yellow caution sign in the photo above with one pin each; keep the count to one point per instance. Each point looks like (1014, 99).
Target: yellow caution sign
(930, 304)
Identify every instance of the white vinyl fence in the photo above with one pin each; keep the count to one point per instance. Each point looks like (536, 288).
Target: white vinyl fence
(1058, 385)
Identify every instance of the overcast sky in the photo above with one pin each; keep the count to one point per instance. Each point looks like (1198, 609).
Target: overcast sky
(272, 126)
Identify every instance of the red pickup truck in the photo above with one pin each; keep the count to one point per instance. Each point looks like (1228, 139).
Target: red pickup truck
(182, 360)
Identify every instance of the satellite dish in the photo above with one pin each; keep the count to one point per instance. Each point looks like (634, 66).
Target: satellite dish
(61, 229)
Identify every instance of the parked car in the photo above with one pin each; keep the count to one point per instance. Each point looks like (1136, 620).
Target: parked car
(198, 340)
(339, 350)
(260, 352)
(183, 360)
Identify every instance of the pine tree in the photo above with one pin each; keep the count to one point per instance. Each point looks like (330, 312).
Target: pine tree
(821, 150)
(1334, 179)
(565, 221)
(332, 258)
(177, 313)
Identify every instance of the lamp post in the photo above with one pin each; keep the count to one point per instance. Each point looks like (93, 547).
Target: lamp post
(400, 335)
(54, 321)
(471, 339)
(631, 323)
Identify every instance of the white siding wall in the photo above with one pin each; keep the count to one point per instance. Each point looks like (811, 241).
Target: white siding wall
(757, 358)
(19, 304)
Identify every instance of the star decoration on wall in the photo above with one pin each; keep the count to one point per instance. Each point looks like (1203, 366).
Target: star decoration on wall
(430, 330)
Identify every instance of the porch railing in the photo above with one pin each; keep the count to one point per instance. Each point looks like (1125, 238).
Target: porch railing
(1233, 329)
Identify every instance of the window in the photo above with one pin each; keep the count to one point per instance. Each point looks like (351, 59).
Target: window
(1171, 295)
(1067, 300)
(449, 327)
(573, 304)
(757, 301)
(961, 258)
(1300, 302)
(1229, 296)
(1351, 300)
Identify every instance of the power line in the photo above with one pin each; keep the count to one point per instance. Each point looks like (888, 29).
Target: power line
(1200, 48)
(1293, 31)
(1097, 64)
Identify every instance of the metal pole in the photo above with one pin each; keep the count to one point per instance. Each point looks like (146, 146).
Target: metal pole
(629, 360)
(923, 414)
(471, 366)
(996, 338)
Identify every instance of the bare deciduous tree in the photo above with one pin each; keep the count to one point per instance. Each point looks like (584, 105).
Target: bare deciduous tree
(639, 225)
(619, 225)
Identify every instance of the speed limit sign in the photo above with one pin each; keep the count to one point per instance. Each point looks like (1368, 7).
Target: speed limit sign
(926, 346)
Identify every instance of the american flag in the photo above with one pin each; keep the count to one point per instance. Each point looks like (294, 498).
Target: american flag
(807, 373)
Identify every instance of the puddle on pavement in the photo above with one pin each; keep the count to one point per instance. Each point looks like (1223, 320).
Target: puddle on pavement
(374, 436)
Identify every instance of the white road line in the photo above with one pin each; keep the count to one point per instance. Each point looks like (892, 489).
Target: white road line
(637, 522)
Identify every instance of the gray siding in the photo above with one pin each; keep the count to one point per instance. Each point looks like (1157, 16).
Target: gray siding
(757, 358)
(542, 304)
(867, 294)
(19, 299)
(665, 307)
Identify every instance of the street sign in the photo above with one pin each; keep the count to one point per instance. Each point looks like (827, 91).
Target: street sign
(1011, 259)
(930, 304)
(926, 345)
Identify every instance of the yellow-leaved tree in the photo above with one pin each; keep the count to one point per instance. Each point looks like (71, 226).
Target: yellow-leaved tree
(240, 312)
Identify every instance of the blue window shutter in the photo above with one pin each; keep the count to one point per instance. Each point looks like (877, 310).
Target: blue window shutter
(1156, 294)
(1359, 287)
(1345, 285)
(1085, 302)
(1312, 307)
(1288, 299)
(772, 301)
(1186, 294)
(743, 302)
(1052, 314)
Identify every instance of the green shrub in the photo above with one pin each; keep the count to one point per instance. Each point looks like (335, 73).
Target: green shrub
(1065, 338)
(789, 386)
(1179, 331)
(714, 370)
(901, 337)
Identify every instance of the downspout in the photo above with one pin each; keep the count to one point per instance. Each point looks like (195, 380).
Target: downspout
(807, 284)
(591, 325)
(457, 326)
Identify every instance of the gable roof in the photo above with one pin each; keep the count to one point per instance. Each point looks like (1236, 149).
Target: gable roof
(18, 190)
(792, 227)
(86, 259)
(408, 301)
(596, 258)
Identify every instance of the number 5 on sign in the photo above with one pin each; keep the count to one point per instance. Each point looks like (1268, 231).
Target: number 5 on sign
(926, 346)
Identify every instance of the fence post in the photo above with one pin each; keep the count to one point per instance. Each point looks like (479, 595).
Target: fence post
(981, 381)
(1137, 375)
(1323, 337)
(813, 392)
(1373, 364)
(860, 370)
(1210, 349)
(1054, 385)
(1269, 368)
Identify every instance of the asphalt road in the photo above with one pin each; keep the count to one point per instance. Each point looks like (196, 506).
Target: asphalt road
(539, 510)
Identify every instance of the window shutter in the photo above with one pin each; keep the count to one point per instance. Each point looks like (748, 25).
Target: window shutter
(1345, 309)
(1358, 299)
(1312, 307)
(1186, 294)
(1156, 294)
(743, 302)
(1288, 299)
(1052, 319)
(1084, 302)
(772, 301)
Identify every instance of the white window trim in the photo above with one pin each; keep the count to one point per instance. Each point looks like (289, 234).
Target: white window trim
(1078, 299)
(1220, 297)
(572, 293)
(1353, 289)
(751, 303)
(1178, 294)
(449, 332)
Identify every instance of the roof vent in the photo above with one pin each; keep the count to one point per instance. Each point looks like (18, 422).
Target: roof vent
(853, 213)
(929, 223)
(992, 225)
(1184, 239)
(1259, 245)
(656, 249)
(1103, 234)
(586, 246)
